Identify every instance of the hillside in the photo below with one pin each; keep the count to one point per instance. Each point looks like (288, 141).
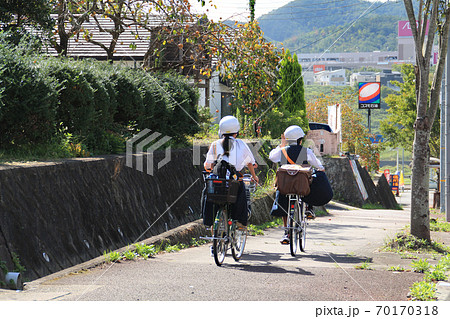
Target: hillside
(308, 26)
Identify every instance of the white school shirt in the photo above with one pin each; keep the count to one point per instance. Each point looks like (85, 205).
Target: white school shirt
(275, 156)
(240, 153)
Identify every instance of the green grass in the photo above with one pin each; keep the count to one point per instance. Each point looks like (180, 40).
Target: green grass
(112, 256)
(423, 291)
(259, 229)
(129, 255)
(436, 274)
(372, 206)
(396, 268)
(439, 225)
(364, 266)
(421, 265)
(144, 250)
(408, 243)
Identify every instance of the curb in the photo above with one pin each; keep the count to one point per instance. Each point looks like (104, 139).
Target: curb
(443, 291)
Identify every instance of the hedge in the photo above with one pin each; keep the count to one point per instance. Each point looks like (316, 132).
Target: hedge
(97, 103)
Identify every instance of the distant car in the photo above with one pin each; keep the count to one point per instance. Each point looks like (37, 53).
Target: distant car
(319, 126)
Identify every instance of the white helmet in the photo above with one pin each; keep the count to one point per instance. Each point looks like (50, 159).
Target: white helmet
(228, 125)
(294, 132)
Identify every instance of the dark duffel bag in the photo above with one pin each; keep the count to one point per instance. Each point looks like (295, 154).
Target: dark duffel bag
(321, 192)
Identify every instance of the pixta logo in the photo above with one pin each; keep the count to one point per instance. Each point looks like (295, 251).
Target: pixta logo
(142, 146)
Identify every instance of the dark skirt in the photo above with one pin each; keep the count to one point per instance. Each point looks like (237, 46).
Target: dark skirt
(321, 193)
(238, 210)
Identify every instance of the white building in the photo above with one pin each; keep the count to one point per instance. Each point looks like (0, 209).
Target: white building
(333, 78)
(355, 78)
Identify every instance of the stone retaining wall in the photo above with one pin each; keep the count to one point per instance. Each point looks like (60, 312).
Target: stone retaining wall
(55, 215)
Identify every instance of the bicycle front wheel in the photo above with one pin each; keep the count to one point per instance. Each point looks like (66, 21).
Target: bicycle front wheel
(220, 241)
(294, 229)
(239, 238)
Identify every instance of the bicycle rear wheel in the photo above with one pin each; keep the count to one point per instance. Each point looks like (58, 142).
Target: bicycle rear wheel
(220, 241)
(303, 224)
(294, 229)
(239, 238)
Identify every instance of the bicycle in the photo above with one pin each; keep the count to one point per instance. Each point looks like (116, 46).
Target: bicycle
(225, 231)
(296, 224)
(293, 181)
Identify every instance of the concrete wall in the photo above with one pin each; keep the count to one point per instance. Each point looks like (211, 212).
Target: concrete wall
(345, 188)
(56, 215)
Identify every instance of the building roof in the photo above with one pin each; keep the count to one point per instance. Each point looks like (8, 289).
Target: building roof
(132, 44)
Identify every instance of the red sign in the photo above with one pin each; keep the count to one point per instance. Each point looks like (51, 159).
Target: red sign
(404, 29)
(318, 68)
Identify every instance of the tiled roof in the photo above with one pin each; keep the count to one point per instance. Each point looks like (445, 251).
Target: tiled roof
(131, 37)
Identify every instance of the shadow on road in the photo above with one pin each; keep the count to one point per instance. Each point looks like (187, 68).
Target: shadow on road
(270, 269)
(268, 260)
(338, 258)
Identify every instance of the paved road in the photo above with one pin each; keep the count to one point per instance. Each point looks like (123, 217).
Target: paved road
(267, 271)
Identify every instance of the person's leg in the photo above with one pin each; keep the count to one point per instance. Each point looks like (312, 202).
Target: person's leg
(285, 239)
(239, 209)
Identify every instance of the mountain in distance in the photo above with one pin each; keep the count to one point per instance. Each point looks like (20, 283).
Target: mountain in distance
(312, 26)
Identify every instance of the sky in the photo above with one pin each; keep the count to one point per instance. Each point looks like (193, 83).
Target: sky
(238, 9)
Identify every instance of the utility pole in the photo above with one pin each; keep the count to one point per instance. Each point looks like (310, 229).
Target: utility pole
(446, 162)
(443, 141)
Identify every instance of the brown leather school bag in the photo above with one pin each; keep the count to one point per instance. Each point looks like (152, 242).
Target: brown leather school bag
(293, 179)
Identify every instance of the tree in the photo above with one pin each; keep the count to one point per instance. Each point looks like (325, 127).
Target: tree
(290, 85)
(251, 4)
(185, 42)
(71, 15)
(249, 63)
(398, 127)
(437, 14)
(16, 14)
(291, 109)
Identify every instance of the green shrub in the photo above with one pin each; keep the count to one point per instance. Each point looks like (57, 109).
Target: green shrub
(182, 105)
(67, 107)
(130, 105)
(28, 101)
(87, 101)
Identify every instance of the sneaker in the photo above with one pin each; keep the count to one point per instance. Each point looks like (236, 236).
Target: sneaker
(240, 226)
(212, 251)
(285, 240)
(310, 213)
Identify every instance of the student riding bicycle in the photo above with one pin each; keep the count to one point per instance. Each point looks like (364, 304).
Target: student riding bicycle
(228, 156)
(292, 149)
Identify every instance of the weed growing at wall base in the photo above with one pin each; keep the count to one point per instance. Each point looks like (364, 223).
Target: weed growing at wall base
(423, 291)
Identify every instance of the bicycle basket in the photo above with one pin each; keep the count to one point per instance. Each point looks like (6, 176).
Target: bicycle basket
(221, 190)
